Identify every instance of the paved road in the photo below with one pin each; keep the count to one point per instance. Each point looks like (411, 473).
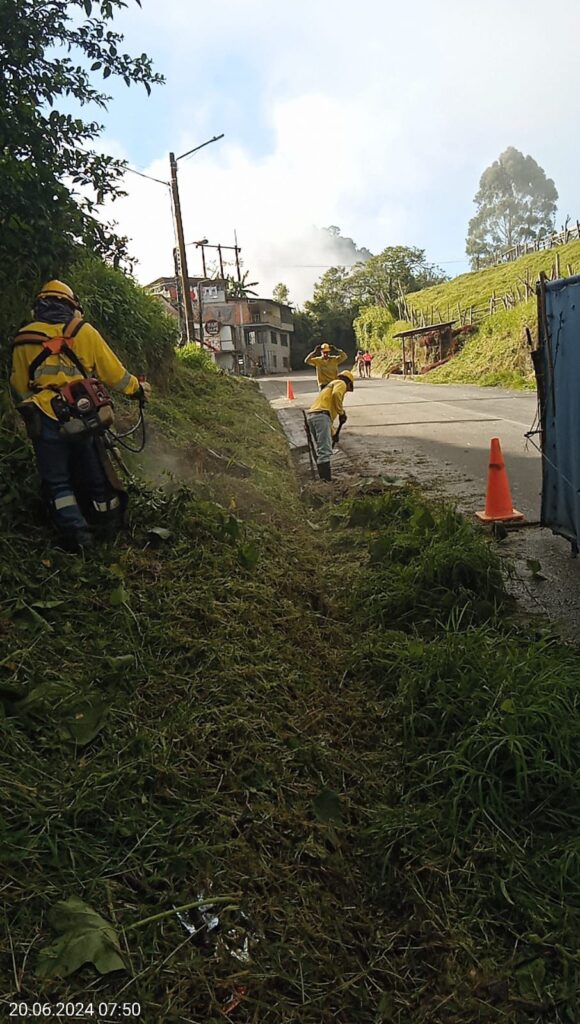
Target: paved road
(449, 426)
(438, 436)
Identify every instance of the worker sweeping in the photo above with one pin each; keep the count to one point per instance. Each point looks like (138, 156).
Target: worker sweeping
(61, 370)
(326, 359)
(326, 408)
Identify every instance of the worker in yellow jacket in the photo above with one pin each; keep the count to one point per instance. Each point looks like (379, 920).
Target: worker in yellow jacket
(325, 409)
(50, 355)
(325, 359)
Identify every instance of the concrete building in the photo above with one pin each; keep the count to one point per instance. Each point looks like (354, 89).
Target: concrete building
(269, 334)
(250, 336)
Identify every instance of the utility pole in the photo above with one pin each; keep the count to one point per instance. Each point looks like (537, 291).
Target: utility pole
(189, 333)
(219, 249)
(237, 251)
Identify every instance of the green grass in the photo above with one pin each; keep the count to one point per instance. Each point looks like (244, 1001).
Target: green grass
(476, 846)
(474, 288)
(497, 354)
(212, 663)
(326, 716)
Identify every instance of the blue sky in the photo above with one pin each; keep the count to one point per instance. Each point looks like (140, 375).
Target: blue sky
(376, 116)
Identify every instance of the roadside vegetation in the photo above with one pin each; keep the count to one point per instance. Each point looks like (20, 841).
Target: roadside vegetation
(319, 717)
(478, 286)
(496, 353)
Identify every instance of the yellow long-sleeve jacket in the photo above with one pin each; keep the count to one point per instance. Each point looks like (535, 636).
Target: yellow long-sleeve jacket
(331, 400)
(326, 367)
(57, 370)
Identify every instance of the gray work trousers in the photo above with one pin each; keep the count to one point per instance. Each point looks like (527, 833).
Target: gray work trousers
(321, 428)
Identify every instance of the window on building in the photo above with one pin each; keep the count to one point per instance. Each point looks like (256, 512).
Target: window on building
(255, 318)
(275, 361)
(273, 337)
(284, 340)
(251, 337)
(285, 362)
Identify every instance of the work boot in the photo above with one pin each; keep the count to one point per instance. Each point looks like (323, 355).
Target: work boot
(324, 471)
(77, 541)
(108, 524)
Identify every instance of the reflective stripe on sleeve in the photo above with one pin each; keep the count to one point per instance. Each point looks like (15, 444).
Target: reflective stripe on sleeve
(122, 384)
(67, 502)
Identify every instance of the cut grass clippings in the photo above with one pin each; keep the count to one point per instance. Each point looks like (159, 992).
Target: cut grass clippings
(339, 729)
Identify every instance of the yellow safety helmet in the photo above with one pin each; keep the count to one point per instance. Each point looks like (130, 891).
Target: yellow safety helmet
(347, 376)
(325, 347)
(58, 290)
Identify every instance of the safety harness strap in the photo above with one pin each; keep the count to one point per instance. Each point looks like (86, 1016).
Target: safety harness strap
(52, 346)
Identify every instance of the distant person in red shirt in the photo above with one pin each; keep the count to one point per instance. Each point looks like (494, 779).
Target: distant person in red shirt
(367, 360)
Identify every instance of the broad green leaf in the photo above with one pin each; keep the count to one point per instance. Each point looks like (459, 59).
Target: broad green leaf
(73, 714)
(85, 937)
(508, 706)
(119, 597)
(248, 554)
(327, 807)
(535, 568)
(121, 660)
(159, 531)
(530, 980)
(84, 720)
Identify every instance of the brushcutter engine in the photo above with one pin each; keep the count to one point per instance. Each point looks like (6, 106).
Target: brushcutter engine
(83, 409)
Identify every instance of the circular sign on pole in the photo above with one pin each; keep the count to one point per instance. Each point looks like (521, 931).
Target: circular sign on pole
(212, 328)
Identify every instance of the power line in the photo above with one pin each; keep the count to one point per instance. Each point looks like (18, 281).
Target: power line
(133, 170)
(148, 176)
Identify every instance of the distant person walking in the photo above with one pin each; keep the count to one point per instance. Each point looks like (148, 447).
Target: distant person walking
(367, 360)
(325, 359)
(359, 361)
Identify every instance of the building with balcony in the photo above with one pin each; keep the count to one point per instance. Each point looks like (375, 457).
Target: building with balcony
(251, 336)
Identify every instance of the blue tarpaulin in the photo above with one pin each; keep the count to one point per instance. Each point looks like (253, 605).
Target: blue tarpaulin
(557, 364)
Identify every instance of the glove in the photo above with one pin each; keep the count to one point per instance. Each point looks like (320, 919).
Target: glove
(342, 418)
(143, 392)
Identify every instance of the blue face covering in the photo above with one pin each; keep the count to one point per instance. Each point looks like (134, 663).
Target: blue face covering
(53, 311)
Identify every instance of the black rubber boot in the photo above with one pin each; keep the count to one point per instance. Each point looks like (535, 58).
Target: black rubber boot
(324, 471)
(76, 540)
(108, 524)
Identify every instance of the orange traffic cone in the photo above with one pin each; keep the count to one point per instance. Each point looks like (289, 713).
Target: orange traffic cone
(498, 500)
(289, 391)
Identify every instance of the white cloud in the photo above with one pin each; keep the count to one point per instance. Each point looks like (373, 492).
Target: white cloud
(383, 116)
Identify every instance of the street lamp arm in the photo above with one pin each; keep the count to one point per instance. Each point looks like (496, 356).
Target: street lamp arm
(209, 141)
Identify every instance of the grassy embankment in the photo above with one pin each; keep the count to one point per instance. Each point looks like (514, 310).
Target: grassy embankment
(319, 715)
(497, 353)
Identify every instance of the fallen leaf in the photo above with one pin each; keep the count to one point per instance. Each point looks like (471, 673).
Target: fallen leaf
(119, 597)
(327, 807)
(159, 532)
(85, 938)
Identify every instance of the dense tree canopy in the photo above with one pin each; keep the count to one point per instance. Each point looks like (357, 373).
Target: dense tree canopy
(333, 308)
(396, 271)
(380, 280)
(51, 179)
(281, 293)
(515, 203)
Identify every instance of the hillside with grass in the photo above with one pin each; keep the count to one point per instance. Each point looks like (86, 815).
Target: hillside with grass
(496, 353)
